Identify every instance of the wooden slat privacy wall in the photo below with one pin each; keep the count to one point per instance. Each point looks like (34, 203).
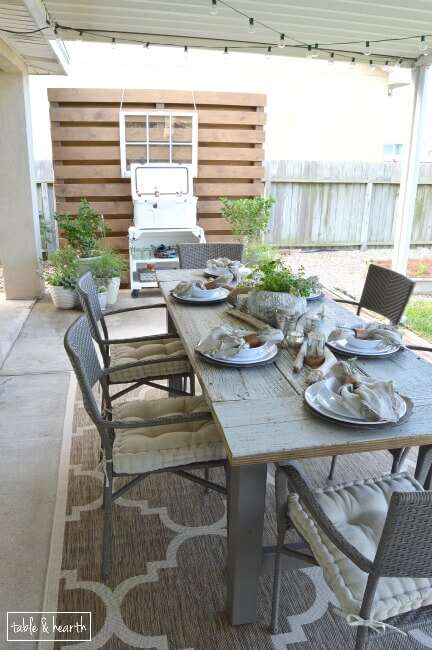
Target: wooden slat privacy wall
(86, 151)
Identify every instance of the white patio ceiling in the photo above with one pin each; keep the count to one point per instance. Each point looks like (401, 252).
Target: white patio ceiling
(333, 24)
(33, 50)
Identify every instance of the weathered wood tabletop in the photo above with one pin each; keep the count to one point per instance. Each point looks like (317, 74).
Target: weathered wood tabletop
(262, 417)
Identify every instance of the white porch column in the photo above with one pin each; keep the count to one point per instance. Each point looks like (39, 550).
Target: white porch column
(410, 171)
(19, 221)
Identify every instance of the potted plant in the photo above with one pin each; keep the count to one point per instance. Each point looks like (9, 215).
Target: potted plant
(61, 273)
(107, 270)
(83, 232)
(249, 220)
(102, 295)
(275, 286)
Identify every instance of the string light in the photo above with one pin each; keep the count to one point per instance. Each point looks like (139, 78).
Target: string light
(252, 28)
(423, 46)
(213, 8)
(309, 52)
(371, 65)
(146, 46)
(353, 62)
(367, 51)
(225, 50)
(331, 59)
(387, 66)
(398, 64)
(80, 36)
(282, 41)
(315, 52)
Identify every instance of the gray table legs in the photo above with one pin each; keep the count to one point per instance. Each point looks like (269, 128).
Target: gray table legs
(174, 383)
(424, 462)
(247, 490)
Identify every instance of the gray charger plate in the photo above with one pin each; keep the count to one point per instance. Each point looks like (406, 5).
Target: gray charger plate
(359, 354)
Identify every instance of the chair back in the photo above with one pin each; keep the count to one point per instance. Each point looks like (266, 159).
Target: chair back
(88, 295)
(386, 292)
(195, 256)
(405, 548)
(81, 351)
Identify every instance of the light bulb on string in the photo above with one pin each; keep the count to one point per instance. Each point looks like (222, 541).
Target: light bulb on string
(146, 46)
(252, 28)
(353, 62)
(315, 51)
(225, 50)
(269, 51)
(282, 41)
(371, 65)
(331, 59)
(309, 52)
(213, 8)
(367, 50)
(397, 64)
(113, 44)
(80, 36)
(386, 67)
(423, 46)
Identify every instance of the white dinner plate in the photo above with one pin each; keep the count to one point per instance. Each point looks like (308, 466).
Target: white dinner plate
(322, 398)
(220, 294)
(270, 353)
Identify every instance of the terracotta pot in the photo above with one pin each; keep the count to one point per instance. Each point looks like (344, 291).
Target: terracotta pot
(63, 297)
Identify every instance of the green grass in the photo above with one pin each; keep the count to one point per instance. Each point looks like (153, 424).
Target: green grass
(419, 317)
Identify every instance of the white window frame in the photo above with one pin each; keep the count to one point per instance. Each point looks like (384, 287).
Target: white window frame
(193, 167)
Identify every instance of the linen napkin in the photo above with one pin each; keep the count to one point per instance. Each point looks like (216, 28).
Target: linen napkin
(184, 289)
(226, 341)
(230, 269)
(376, 331)
(364, 397)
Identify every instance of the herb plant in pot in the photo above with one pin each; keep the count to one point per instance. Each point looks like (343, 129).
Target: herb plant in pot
(107, 270)
(275, 286)
(61, 274)
(83, 233)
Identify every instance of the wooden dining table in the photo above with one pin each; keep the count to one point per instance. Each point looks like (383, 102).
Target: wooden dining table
(262, 416)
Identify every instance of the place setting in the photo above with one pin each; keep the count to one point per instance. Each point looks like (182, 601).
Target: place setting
(239, 348)
(370, 340)
(200, 293)
(347, 395)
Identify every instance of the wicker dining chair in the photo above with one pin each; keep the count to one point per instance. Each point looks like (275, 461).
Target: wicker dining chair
(135, 361)
(385, 292)
(142, 437)
(372, 540)
(195, 256)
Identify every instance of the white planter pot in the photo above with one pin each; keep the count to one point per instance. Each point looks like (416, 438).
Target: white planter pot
(265, 304)
(63, 298)
(113, 289)
(86, 264)
(103, 299)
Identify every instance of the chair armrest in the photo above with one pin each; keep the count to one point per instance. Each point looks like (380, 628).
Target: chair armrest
(297, 482)
(125, 309)
(346, 302)
(139, 364)
(420, 348)
(141, 339)
(162, 421)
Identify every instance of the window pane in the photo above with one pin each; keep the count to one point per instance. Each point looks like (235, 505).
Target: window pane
(136, 128)
(159, 153)
(182, 154)
(135, 153)
(158, 128)
(182, 129)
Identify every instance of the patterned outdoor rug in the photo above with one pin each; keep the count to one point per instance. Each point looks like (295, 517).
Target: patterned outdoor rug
(167, 588)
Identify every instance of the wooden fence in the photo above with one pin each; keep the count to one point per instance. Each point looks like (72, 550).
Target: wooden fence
(86, 151)
(323, 204)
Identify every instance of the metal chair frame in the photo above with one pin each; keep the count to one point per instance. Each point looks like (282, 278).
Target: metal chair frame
(195, 256)
(87, 292)
(82, 354)
(404, 549)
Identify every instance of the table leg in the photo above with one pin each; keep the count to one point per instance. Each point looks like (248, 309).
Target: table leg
(173, 382)
(246, 498)
(424, 462)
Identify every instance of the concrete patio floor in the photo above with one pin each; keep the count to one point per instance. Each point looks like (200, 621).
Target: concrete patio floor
(35, 375)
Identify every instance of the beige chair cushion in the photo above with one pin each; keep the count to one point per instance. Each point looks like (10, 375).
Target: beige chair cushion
(167, 349)
(358, 510)
(149, 448)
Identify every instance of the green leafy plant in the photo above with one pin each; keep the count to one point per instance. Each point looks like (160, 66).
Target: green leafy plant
(274, 275)
(108, 265)
(249, 218)
(61, 270)
(83, 231)
(256, 253)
